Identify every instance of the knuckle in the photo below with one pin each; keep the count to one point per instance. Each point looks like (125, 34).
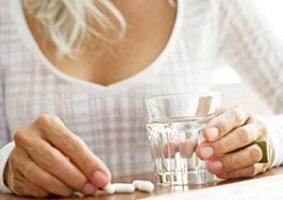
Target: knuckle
(20, 138)
(46, 158)
(46, 119)
(245, 135)
(255, 153)
(49, 124)
(222, 127)
(222, 124)
(71, 141)
(43, 119)
(239, 114)
(49, 160)
(221, 146)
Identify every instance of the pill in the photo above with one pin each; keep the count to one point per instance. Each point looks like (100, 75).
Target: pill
(109, 188)
(78, 194)
(123, 187)
(142, 185)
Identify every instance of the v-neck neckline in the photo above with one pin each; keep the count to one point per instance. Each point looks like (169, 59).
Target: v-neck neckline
(30, 42)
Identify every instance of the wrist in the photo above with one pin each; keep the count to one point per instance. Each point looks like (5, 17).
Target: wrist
(5, 154)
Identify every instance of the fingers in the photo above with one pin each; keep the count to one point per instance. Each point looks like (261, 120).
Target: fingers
(224, 123)
(56, 164)
(21, 186)
(74, 148)
(236, 139)
(169, 150)
(59, 158)
(40, 178)
(236, 160)
(246, 172)
(226, 147)
(28, 189)
(186, 148)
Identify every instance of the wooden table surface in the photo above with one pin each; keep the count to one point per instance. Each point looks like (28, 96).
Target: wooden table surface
(158, 190)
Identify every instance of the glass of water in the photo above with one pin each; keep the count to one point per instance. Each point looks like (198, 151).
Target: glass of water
(174, 127)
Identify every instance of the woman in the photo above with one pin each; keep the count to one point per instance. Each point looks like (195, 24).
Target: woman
(88, 64)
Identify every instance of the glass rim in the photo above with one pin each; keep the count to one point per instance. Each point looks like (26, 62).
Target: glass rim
(199, 94)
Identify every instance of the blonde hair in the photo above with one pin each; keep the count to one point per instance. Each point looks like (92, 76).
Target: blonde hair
(66, 22)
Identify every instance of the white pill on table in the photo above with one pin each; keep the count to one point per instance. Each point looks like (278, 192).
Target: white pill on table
(123, 187)
(78, 194)
(142, 185)
(109, 188)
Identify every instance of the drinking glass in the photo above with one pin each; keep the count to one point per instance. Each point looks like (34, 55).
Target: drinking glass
(174, 128)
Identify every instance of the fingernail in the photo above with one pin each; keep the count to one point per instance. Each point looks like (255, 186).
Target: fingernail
(100, 179)
(216, 166)
(89, 189)
(212, 133)
(207, 152)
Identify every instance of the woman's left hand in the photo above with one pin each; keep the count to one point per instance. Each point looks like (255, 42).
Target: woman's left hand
(228, 147)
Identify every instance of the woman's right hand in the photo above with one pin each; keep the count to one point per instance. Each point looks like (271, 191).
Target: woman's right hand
(50, 160)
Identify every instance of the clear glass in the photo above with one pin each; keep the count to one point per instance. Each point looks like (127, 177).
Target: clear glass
(174, 129)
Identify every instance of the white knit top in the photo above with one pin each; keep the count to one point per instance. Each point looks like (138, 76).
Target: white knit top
(110, 119)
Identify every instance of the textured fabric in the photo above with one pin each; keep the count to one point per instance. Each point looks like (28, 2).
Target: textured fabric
(253, 51)
(111, 119)
(275, 126)
(5, 151)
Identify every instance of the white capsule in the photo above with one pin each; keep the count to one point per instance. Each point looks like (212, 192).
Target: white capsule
(145, 186)
(123, 187)
(109, 188)
(78, 194)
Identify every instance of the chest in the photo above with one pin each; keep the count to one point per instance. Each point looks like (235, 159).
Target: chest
(33, 87)
(104, 63)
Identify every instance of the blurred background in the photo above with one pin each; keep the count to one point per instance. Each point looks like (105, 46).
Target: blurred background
(227, 81)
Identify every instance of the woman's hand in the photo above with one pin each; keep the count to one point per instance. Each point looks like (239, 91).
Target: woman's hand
(50, 160)
(228, 147)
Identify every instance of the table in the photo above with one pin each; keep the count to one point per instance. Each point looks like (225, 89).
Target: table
(158, 190)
